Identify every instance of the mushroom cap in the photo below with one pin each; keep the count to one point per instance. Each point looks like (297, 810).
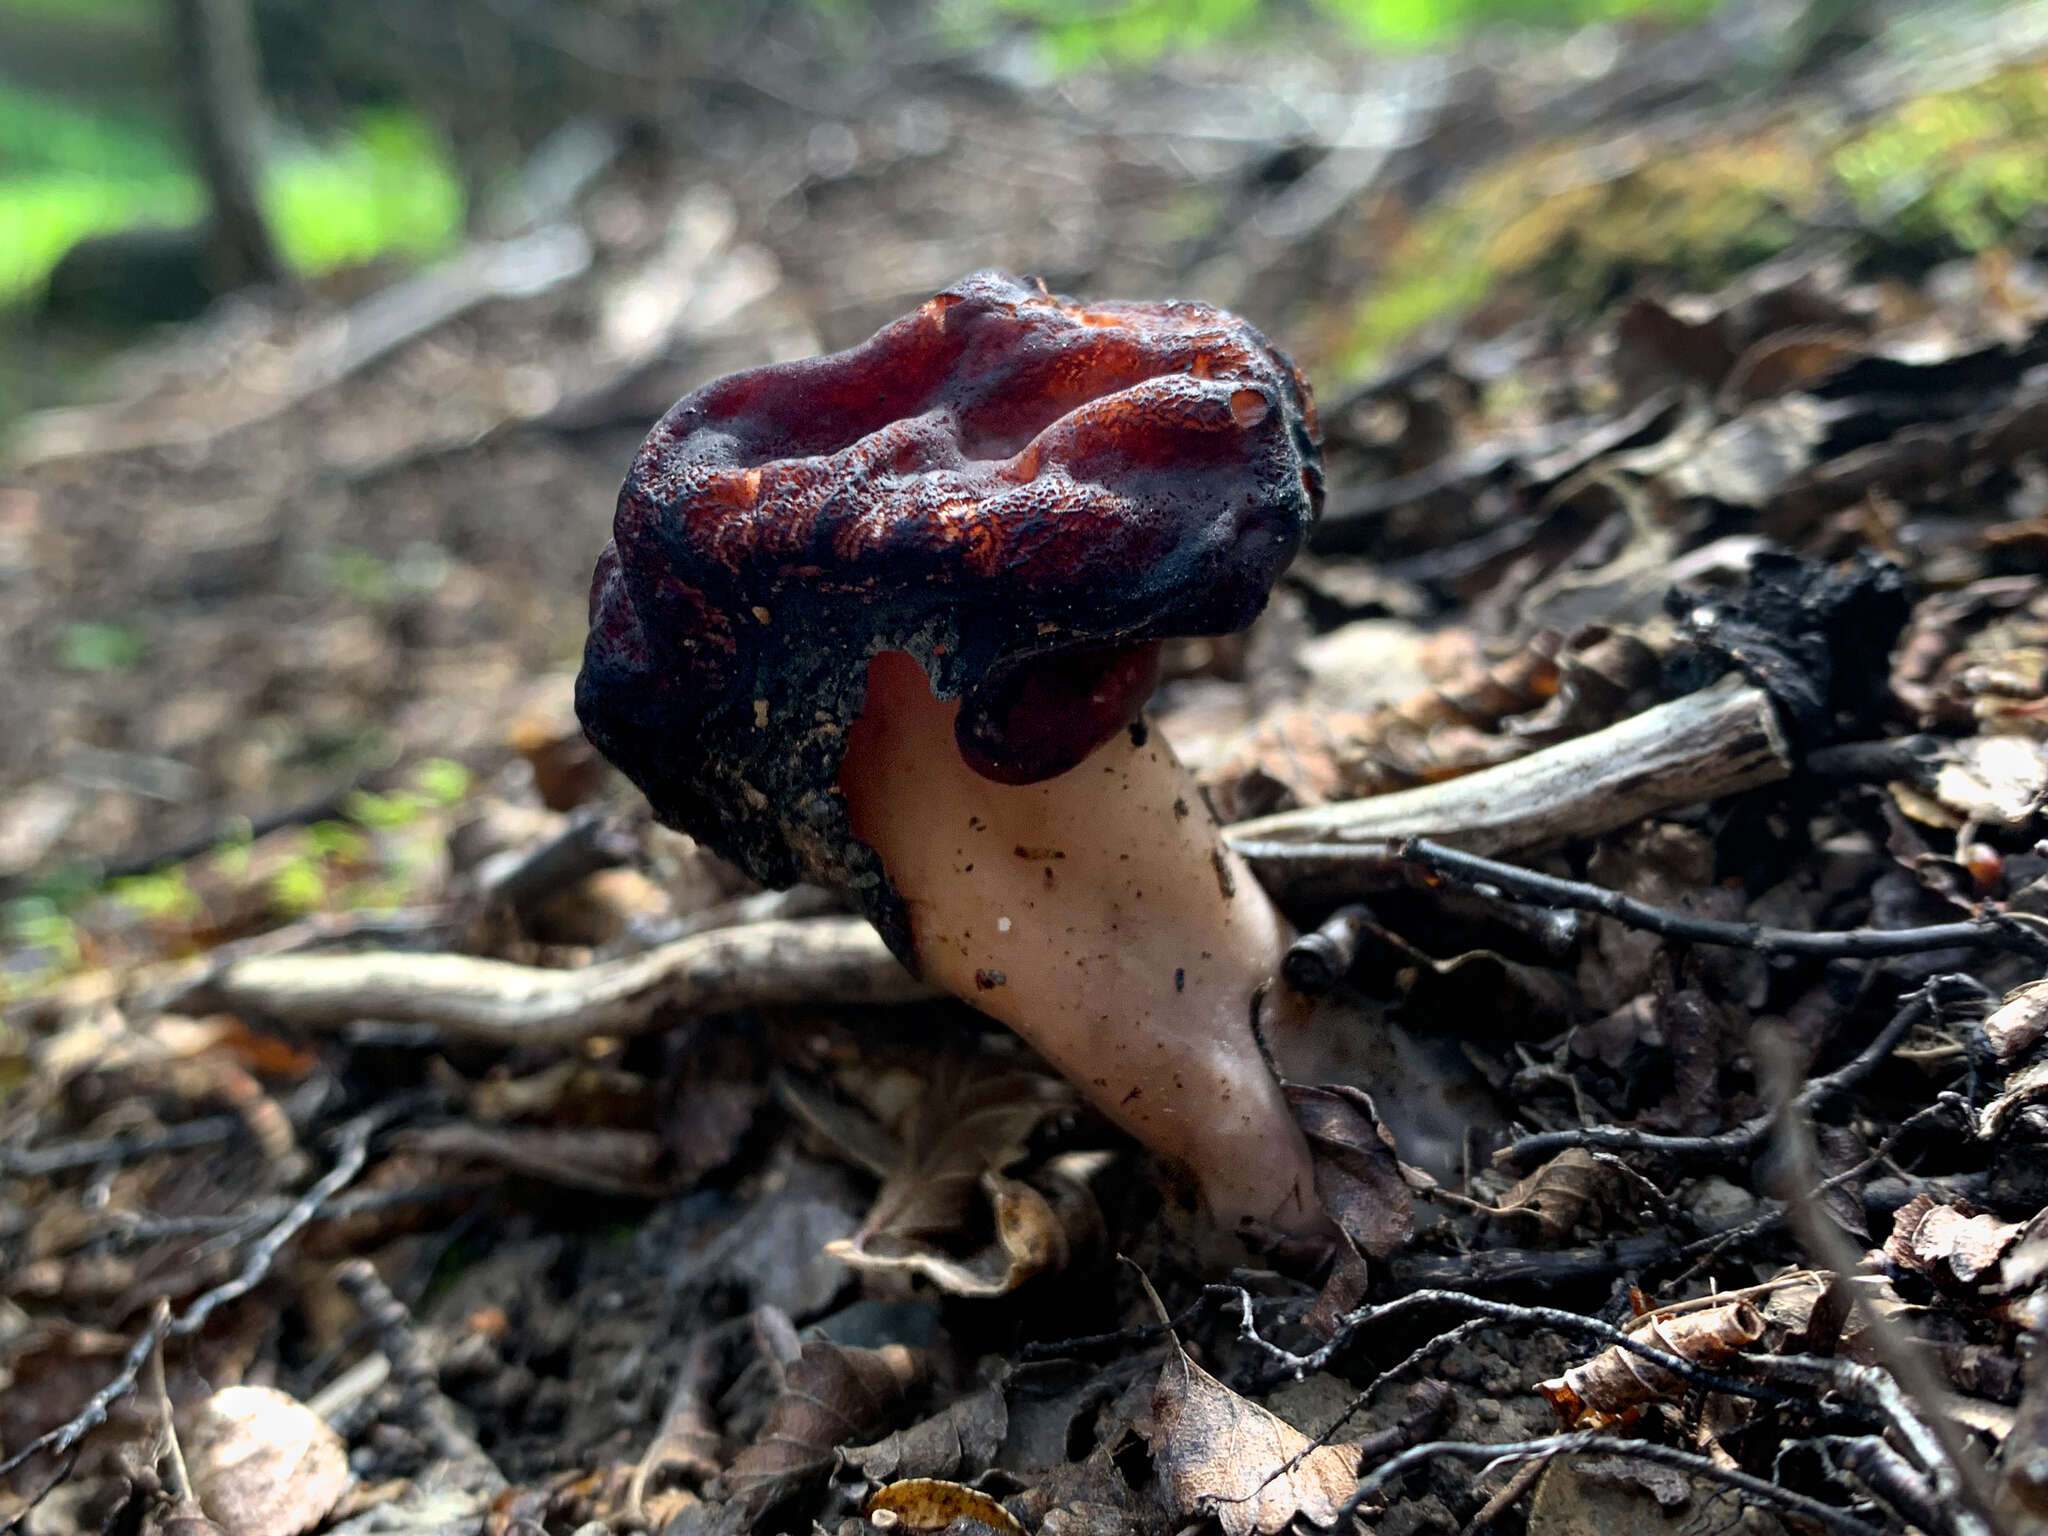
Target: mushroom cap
(999, 481)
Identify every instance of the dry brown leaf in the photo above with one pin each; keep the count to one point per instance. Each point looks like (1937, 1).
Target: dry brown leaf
(973, 1119)
(1574, 1186)
(263, 1463)
(1038, 1231)
(928, 1504)
(1221, 1455)
(2026, 1445)
(1617, 1380)
(2019, 1022)
(610, 1162)
(971, 1124)
(688, 1446)
(51, 1367)
(1362, 1183)
(832, 1395)
(962, 1440)
(1998, 781)
(1309, 754)
(1952, 1245)
(2027, 1086)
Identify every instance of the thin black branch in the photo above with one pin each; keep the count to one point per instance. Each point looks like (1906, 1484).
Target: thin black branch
(1741, 1142)
(130, 1146)
(126, 1228)
(89, 1418)
(1349, 1325)
(353, 1152)
(1590, 1443)
(1993, 932)
(1947, 1107)
(1910, 1396)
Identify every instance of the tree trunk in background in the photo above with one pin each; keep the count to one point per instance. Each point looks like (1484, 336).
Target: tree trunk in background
(216, 43)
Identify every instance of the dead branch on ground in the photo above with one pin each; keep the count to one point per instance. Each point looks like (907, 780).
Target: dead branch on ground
(824, 960)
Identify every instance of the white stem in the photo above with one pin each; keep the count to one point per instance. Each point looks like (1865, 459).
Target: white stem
(1099, 915)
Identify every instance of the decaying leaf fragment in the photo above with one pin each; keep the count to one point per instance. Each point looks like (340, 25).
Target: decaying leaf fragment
(1306, 755)
(1220, 1455)
(970, 1125)
(263, 1463)
(832, 1395)
(1998, 781)
(2026, 1086)
(1952, 1245)
(1617, 1380)
(1363, 1185)
(1577, 1185)
(2026, 1447)
(2019, 1022)
(959, 1441)
(931, 1504)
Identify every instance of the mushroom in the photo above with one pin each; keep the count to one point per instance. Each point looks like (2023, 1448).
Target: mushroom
(887, 620)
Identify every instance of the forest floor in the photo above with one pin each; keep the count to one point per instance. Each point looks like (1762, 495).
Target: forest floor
(1686, 409)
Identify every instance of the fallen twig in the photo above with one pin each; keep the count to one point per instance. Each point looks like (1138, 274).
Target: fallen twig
(1349, 1326)
(1589, 1443)
(90, 1417)
(128, 1228)
(835, 960)
(1528, 1269)
(1933, 1438)
(1994, 932)
(1317, 961)
(521, 878)
(1744, 1140)
(1708, 744)
(128, 1147)
(353, 1151)
(421, 1407)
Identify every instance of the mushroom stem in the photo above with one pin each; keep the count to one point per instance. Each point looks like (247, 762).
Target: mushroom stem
(1100, 916)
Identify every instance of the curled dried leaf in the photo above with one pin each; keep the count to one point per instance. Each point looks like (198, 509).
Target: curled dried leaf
(2020, 1022)
(930, 1504)
(1038, 1231)
(1220, 1455)
(1998, 781)
(963, 1439)
(832, 1395)
(971, 1123)
(1573, 1187)
(1362, 1183)
(1617, 1380)
(2023, 1088)
(1953, 1245)
(263, 1463)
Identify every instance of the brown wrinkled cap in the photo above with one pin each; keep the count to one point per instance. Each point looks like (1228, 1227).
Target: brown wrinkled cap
(1020, 491)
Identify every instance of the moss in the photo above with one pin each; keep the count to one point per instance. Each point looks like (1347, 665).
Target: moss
(385, 187)
(1949, 173)
(1957, 171)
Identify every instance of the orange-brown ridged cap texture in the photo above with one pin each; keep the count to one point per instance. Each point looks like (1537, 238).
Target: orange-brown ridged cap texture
(999, 479)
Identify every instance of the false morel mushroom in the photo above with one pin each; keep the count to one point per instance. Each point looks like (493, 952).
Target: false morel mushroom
(887, 620)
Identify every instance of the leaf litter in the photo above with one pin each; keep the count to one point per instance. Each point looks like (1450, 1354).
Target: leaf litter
(754, 1234)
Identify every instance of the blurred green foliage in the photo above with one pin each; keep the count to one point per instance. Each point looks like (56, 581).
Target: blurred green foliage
(385, 186)
(1077, 33)
(384, 851)
(1944, 175)
(99, 647)
(1960, 169)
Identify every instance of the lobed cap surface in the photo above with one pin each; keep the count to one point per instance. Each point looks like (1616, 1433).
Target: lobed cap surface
(999, 481)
